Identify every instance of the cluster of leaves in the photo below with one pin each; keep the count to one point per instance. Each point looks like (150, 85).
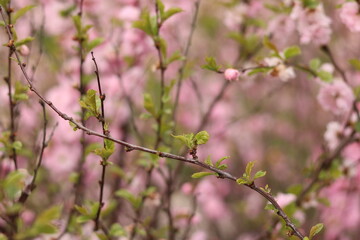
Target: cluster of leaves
(218, 164)
(7, 145)
(315, 65)
(88, 213)
(247, 177)
(193, 140)
(82, 35)
(15, 16)
(151, 26)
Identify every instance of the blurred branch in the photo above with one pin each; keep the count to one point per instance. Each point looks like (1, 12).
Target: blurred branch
(26, 193)
(186, 55)
(328, 52)
(8, 80)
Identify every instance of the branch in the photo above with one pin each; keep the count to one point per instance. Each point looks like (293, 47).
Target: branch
(186, 54)
(105, 132)
(328, 52)
(8, 80)
(26, 193)
(132, 147)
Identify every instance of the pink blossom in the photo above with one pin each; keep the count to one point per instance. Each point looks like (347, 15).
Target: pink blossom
(349, 15)
(231, 74)
(333, 134)
(336, 97)
(187, 188)
(285, 199)
(312, 24)
(199, 235)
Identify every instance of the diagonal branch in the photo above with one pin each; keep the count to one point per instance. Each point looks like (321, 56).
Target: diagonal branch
(132, 147)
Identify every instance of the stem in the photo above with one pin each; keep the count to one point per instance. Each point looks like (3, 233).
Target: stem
(133, 147)
(328, 52)
(186, 54)
(104, 162)
(12, 105)
(26, 193)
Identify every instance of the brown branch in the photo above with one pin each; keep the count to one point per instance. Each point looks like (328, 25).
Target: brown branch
(132, 147)
(329, 53)
(26, 193)
(104, 162)
(8, 80)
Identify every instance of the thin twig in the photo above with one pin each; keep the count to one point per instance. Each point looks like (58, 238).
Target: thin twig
(26, 193)
(12, 104)
(104, 162)
(328, 52)
(133, 147)
(186, 55)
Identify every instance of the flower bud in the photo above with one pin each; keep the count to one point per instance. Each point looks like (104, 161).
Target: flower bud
(231, 74)
(24, 50)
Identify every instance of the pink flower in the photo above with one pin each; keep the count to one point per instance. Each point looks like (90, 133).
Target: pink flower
(349, 15)
(312, 24)
(187, 188)
(231, 74)
(336, 97)
(285, 199)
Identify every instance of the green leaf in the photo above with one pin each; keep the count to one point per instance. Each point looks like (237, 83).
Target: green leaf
(91, 102)
(116, 230)
(211, 65)
(169, 13)
(202, 174)
(20, 93)
(316, 229)
(93, 44)
(19, 13)
(187, 139)
(50, 214)
(355, 63)
(249, 168)
(13, 184)
(82, 210)
(4, 3)
(135, 201)
(147, 24)
(202, 137)
(23, 41)
(241, 181)
(306, 238)
(208, 161)
(325, 76)
(175, 57)
(77, 22)
(83, 219)
(149, 105)
(271, 207)
(102, 236)
(292, 52)
(259, 174)
(267, 43)
(17, 145)
(73, 125)
(2, 24)
(68, 11)
(315, 64)
(312, 4)
(218, 162)
(259, 70)
(162, 45)
(357, 126)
